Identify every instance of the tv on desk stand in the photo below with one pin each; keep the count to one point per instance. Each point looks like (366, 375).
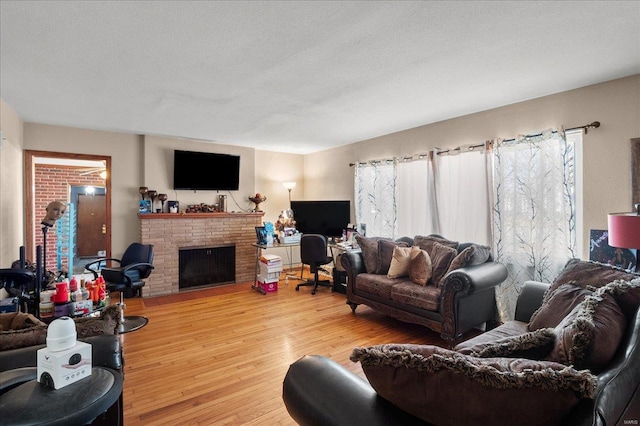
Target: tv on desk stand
(321, 217)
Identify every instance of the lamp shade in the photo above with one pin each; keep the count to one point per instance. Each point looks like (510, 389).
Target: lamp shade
(289, 185)
(624, 230)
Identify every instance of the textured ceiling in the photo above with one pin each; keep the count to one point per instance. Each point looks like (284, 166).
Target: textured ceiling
(299, 76)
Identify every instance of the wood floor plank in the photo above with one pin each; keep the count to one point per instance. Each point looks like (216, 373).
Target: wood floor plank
(219, 356)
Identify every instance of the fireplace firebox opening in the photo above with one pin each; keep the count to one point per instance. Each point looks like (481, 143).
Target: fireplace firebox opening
(206, 266)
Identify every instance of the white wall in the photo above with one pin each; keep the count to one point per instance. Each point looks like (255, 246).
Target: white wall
(11, 187)
(606, 161)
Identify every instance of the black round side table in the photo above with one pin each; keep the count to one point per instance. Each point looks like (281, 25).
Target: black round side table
(76, 404)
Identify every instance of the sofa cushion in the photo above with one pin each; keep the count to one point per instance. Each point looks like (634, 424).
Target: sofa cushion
(441, 257)
(380, 285)
(481, 341)
(385, 254)
(423, 297)
(471, 390)
(532, 345)
(589, 336)
(400, 260)
(420, 268)
(557, 306)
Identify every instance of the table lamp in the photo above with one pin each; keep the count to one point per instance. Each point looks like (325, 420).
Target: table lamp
(624, 231)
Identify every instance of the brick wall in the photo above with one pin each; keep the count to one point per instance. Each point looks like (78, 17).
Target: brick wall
(53, 183)
(168, 233)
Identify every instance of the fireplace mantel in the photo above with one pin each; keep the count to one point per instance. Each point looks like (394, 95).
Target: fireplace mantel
(168, 232)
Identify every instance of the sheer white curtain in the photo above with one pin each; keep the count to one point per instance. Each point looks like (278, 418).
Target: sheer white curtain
(376, 197)
(463, 207)
(534, 228)
(415, 178)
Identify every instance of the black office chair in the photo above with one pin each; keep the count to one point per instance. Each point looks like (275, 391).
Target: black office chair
(136, 264)
(21, 283)
(313, 252)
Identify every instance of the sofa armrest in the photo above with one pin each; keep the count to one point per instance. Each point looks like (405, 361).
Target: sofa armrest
(474, 279)
(353, 263)
(319, 391)
(530, 299)
(106, 351)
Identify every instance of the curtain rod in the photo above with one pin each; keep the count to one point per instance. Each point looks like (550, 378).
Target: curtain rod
(585, 127)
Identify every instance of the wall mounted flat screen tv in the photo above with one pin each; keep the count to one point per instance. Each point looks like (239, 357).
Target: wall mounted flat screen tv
(321, 217)
(205, 171)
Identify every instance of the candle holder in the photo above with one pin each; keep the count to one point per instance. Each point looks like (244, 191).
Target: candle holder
(152, 194)
(257, 199)
(143, 190)
(162, 198)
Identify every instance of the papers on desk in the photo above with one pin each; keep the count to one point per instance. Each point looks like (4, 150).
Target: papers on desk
(345, 245)
(270, 263)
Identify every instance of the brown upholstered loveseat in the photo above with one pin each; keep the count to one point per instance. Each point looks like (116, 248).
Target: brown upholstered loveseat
(570, 357)
(458, 295)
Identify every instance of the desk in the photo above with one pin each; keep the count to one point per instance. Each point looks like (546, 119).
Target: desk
(337, 249)
(78, 403)
(259, 248)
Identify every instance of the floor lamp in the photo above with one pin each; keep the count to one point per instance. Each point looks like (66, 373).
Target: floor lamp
(289, 186)
(624, 231)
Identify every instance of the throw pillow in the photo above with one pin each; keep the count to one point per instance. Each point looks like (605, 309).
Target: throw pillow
(589, 274)
(18, 320)
(14, 339)
(430, 383)
(385, 254)
(427, 242)
(532, 345)
(626, 294)
(420, 267)
(441, 257)
(400, 262)
(560, 303)
(589, 336)
(369, 247)
(107, 323)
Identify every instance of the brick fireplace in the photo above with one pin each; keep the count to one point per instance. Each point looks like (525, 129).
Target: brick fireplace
(169, 233)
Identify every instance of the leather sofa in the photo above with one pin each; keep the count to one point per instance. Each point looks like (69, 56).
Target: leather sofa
(106, 351)
(319, 391)
(463, 299)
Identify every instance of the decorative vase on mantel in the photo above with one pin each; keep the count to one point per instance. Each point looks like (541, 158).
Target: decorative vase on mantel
(257, 199)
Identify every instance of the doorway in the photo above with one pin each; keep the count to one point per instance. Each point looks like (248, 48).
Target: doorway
(66, 177)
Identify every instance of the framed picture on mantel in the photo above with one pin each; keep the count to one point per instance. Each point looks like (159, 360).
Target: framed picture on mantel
(144, 206)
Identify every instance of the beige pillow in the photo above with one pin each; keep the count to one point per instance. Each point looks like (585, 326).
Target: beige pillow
(400, 262)
(419, 266)
(385, 254)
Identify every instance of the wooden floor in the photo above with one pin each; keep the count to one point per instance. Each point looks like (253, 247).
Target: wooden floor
(219, 356)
